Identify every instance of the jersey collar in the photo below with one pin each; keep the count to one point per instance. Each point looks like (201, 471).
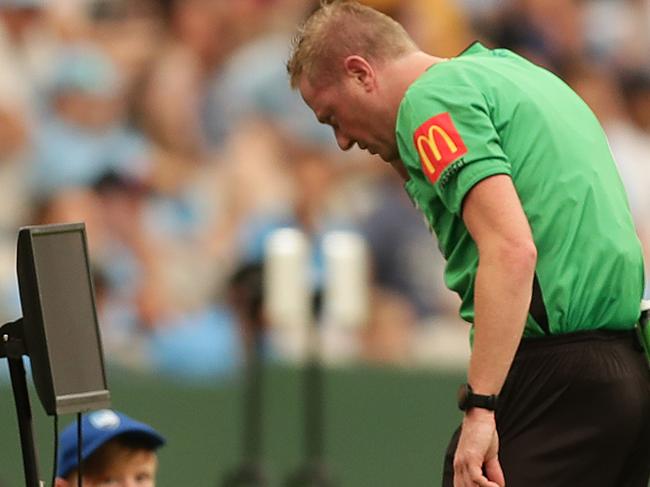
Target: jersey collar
(474, 48)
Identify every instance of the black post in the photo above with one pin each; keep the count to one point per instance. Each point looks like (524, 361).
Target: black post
(251, 472)
(13, 348)
(253, 403)
(24, 414)
(314, 471)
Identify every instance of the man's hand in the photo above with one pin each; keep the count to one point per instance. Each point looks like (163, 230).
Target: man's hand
(478, 447)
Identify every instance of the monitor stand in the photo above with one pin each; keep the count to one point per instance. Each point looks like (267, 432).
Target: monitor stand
(12, 347)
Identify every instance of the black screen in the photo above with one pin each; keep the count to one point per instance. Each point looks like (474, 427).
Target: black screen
(61, 323)
(68, 312)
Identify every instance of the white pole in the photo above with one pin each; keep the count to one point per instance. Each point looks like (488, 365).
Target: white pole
(346, 280)
(288, 292)
(287, 289)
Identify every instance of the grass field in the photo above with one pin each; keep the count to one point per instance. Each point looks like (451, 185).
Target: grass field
(385, 427)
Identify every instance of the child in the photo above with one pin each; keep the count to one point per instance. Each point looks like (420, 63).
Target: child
(117, 451)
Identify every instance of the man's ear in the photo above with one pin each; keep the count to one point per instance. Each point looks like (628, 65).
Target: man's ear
(59, 482)
(360, 70)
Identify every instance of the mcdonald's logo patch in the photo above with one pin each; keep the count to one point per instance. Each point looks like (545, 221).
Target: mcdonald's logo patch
(438, 144)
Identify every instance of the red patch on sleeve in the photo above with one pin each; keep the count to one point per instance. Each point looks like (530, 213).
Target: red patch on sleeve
(438, 144)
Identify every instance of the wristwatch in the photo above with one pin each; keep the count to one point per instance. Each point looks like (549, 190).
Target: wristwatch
(468, 400)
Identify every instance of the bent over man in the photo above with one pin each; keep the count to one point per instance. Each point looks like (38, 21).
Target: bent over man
(515, 177)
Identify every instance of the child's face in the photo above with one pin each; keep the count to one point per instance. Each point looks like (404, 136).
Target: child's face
(138, 471)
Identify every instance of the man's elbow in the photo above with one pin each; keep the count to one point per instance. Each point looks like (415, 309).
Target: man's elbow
(520, 257)
(516, 257)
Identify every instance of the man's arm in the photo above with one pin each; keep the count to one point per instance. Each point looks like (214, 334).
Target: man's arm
(507, 257)
(504, 281)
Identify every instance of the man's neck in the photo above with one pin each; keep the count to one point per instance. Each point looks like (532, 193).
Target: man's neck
(400, 168)
(400, 74)
(410, 67)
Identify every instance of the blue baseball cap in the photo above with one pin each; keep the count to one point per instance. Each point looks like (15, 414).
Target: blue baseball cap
(98, 428)
(85, 68)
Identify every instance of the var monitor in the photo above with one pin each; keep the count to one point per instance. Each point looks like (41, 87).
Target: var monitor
(59, 318)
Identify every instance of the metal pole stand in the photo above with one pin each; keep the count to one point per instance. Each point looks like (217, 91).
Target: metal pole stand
(12, 347)
(314, 471)
(251, 473)
(247, 475)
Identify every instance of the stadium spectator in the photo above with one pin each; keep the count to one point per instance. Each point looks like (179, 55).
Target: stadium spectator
(85, 133)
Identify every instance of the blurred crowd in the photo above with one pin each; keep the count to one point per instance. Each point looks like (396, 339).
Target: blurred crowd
(169, 128)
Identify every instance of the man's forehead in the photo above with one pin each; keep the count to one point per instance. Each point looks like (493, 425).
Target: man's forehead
(309, 92)
(316, 95)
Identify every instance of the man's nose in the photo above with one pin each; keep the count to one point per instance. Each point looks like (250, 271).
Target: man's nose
(343, 141)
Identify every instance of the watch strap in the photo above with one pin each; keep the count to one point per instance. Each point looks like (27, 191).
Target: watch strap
(467, 399)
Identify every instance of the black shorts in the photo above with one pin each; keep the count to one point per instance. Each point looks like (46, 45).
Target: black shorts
(574, 412)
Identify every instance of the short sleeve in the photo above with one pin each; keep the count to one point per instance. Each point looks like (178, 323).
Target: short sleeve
(446, 137)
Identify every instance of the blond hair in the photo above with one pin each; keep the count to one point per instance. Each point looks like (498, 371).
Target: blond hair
(341, 28)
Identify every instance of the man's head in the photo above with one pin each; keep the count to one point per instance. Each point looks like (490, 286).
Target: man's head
(117, 452)
(343, 61)
(342, 28)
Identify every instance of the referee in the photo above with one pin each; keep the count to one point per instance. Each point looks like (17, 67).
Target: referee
(515, 177)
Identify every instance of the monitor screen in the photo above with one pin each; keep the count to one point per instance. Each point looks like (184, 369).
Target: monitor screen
(59, 318)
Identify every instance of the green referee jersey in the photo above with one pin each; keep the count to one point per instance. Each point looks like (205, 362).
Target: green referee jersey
(489, 112)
